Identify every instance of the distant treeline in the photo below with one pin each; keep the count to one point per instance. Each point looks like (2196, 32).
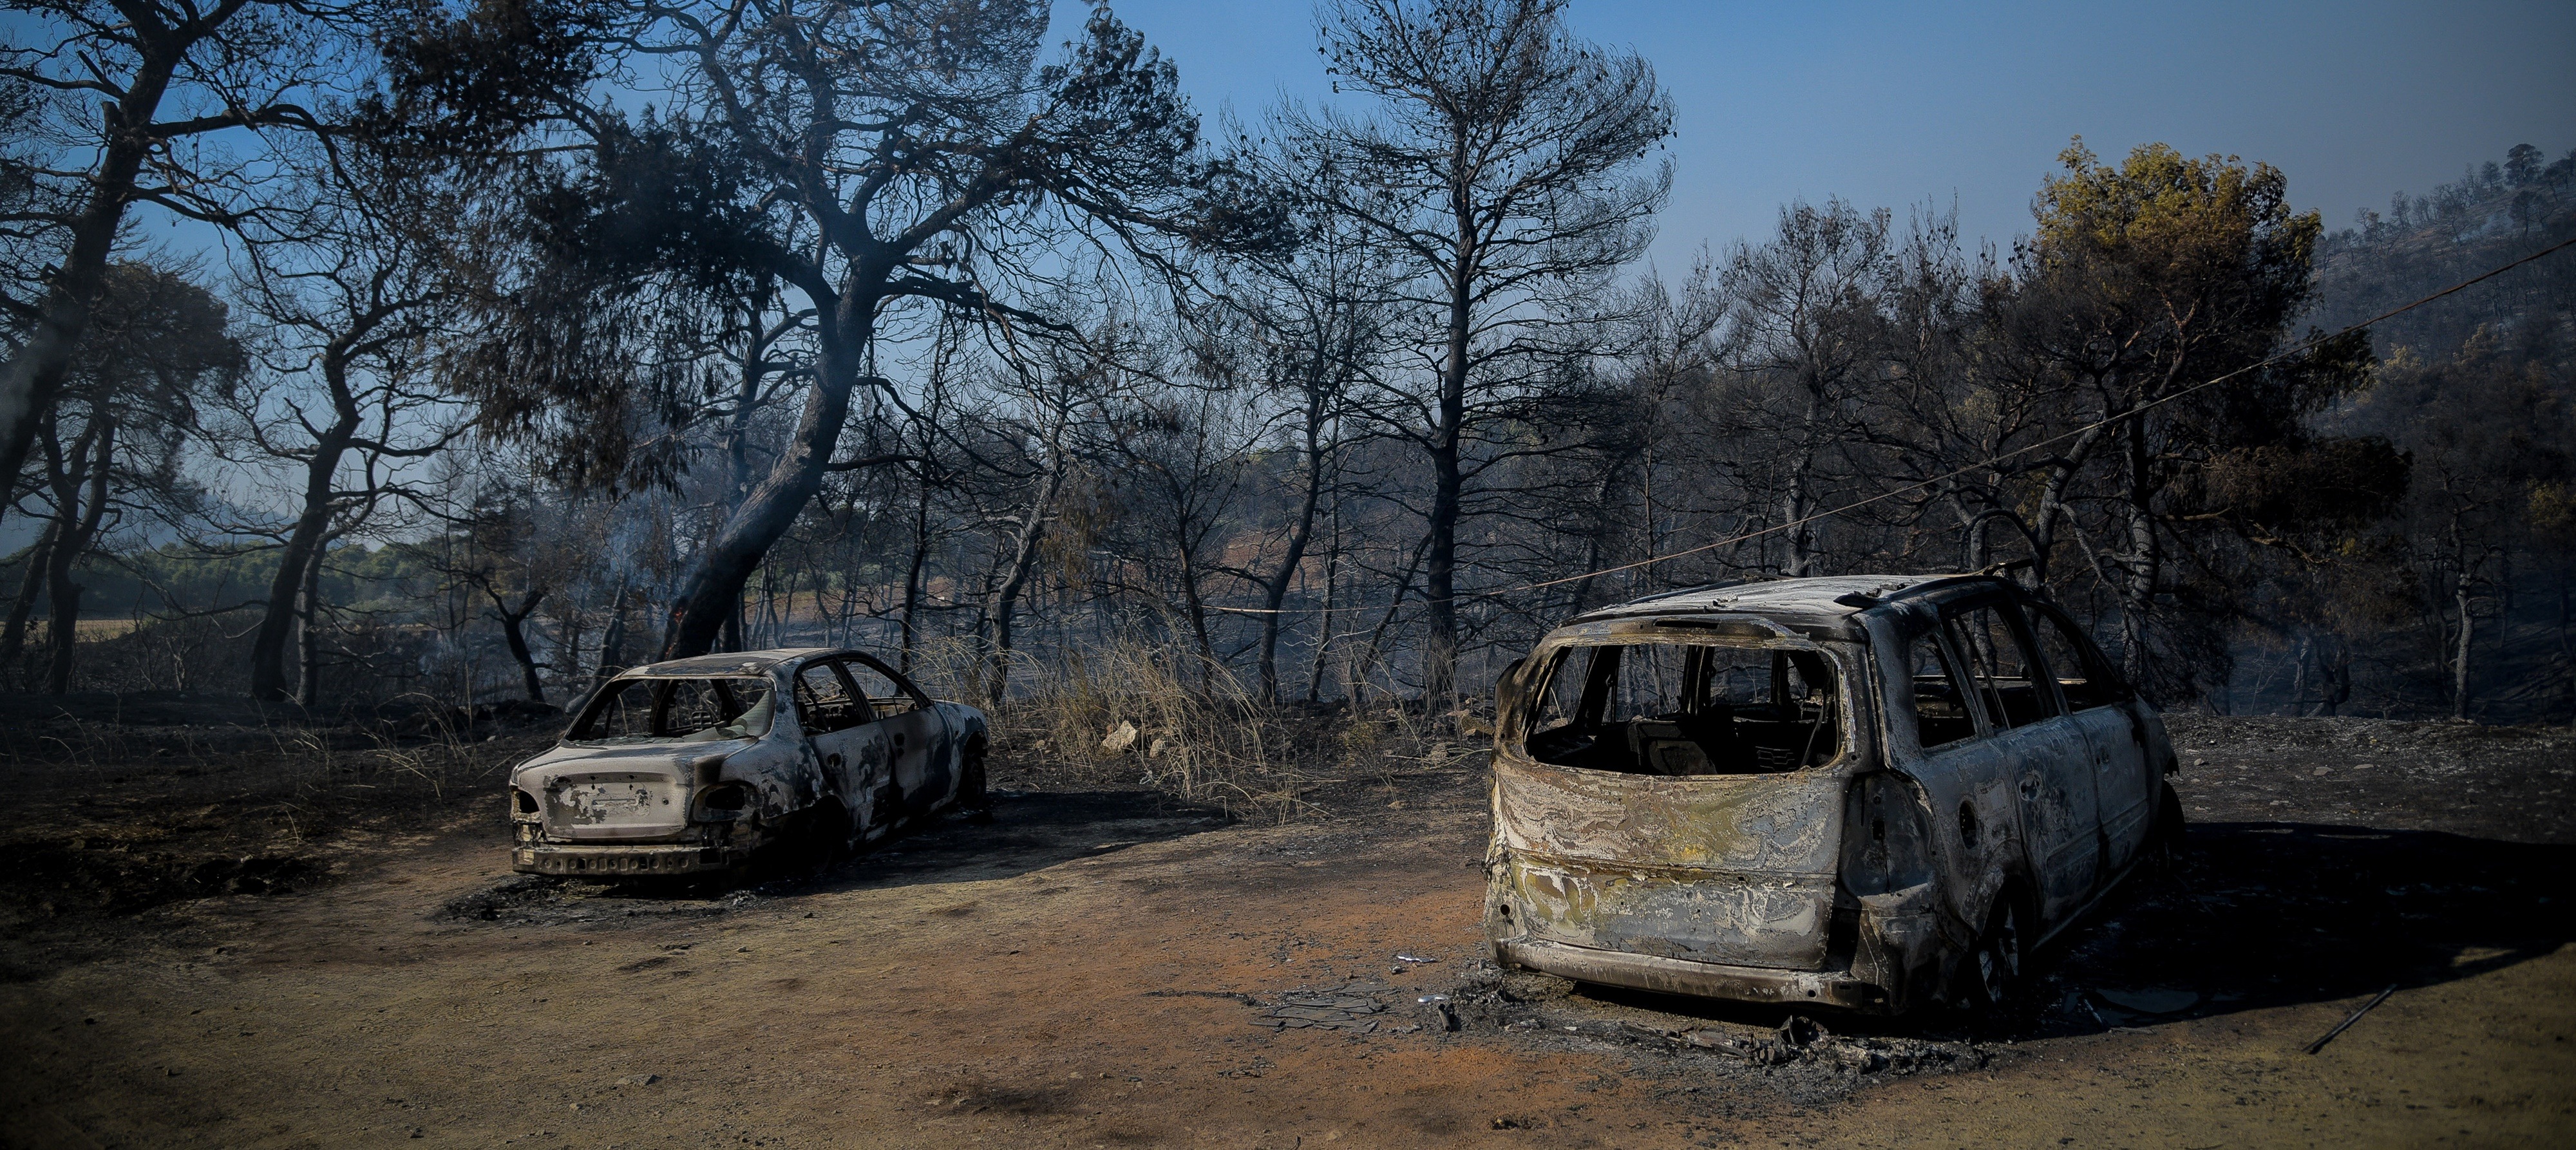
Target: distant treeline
(992, 357)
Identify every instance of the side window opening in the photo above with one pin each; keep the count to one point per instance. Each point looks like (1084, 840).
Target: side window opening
(885, 696)
(1687, 709)
(2078, 677)
(1999, 666)
(825, 701)
(1941, 714)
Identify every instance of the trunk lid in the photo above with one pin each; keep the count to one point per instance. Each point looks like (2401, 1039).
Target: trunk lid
(609, 794)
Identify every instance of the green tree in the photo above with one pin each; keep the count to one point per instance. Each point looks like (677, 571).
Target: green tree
(2143, 280)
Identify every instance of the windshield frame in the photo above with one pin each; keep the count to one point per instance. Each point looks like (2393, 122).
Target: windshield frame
(665, 685)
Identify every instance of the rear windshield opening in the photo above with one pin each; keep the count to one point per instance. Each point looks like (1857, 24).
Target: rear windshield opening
(676, 711)
(1688, 709)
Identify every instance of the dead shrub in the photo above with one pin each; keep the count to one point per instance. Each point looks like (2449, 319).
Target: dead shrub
(1200, 733)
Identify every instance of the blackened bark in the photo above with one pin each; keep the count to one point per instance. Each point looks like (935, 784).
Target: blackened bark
(32, 381)
(713, 593)
(1275, 591)
(612, 645)
(2460, 588)
(308, 630)
(514, 629)
(1324, 621)
(1440, 568)
(912, 573)
(31, 583)
(62, 630)
(2143, 563)
(1003, 602)
(304, 544)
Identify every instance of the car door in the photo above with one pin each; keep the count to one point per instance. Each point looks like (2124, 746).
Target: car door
(2048, 757)
(839, 723)
(924, 764)
(2097, 702)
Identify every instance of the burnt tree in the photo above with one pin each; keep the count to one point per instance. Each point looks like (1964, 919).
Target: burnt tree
(862, 155)
(1501, 164)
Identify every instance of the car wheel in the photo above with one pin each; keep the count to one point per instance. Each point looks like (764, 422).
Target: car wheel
(2162, 851)
(2169, 821)
(971, 795)
(821, 835)
(1997, 963)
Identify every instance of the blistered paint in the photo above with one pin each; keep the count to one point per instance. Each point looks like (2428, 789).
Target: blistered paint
(1743, 886)
(639, 809)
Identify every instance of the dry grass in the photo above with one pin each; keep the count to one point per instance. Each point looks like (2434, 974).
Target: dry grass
(1200, 734)
(83, 631)
(1134, 713)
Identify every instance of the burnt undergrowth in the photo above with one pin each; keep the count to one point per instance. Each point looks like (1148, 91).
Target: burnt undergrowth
(133, 802)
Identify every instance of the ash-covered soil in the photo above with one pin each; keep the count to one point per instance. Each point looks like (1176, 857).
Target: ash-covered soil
(1107, 967)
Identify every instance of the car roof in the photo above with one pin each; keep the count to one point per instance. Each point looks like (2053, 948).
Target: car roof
(730, 662)
(1816, 599)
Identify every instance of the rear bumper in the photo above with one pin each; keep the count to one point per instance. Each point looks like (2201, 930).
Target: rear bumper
(620, 861)
(1683, 976)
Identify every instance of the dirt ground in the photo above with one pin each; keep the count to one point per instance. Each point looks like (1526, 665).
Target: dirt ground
(1105, 968)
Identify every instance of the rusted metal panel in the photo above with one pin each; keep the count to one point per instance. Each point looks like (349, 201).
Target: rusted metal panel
(1748, 919)
(1679, 976)
(1747, 823)
(707, 801)
(1865, 880)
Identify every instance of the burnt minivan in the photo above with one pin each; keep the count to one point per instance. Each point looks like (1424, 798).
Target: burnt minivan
(1867, 792)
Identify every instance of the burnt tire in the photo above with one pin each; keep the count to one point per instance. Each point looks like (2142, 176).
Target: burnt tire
(819, 837)
(2161, 854)
(1995, 968)
(2169, 830)
(972, 795)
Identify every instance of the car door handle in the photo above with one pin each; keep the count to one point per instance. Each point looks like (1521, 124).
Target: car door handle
(2030, 787)
(898, 742)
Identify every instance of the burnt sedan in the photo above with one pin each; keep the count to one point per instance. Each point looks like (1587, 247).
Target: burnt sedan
(1865, 792)
(700, 764)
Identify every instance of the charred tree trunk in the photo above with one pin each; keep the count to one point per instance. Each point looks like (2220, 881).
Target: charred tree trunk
(312, 524)
(32, 380)
(62, 629)
(2460, 588)
(712, 594)
(912, 572)
(612, 645)
(1197, 606)
(1440, 568)
(1004, 599)
(31, 583)
(2143, 566)
(514, 629)
(1275, 591)
(1332, 597)
(309, 631)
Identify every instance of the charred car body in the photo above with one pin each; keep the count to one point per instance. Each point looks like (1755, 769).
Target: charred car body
(698, 764)
(1865, 792)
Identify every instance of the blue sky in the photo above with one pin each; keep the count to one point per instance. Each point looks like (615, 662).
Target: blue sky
(1890, 105)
